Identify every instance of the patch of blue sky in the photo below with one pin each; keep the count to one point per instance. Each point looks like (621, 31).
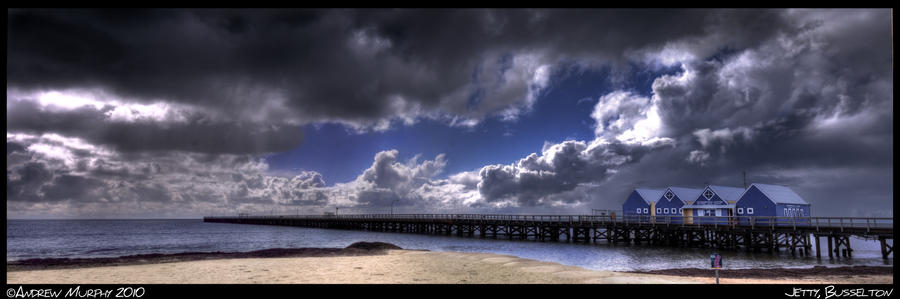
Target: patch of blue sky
(562, 112)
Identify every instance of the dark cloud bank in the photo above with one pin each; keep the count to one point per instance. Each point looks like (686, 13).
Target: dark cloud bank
(187, 102)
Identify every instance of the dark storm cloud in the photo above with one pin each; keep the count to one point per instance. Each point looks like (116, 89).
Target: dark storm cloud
(356, 66)
(49, 170)
(195, 134)
(808, 98)
(12, 147)
(24, 183)
(810, 108)
(560, 168)
(75, 188)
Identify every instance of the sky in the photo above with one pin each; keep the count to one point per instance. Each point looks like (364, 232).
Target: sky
(178, 113)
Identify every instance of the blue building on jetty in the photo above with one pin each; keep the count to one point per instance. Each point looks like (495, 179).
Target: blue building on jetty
(672, 203)
(713, 201)
(689, 205)
(641, 202)
(771, 200)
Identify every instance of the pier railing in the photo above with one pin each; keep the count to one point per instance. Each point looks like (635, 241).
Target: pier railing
(773, 222)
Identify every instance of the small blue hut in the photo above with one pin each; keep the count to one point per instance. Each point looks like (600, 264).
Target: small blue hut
(641, 203)
(713, 201)
(672, 202)
(771, 200)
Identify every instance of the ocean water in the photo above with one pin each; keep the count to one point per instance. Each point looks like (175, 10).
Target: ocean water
(111, 238)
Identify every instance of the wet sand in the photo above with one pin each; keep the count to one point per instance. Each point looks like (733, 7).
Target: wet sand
(779, 272)
(393, 266)
(355, 249)
(380, 266)
(814, 275)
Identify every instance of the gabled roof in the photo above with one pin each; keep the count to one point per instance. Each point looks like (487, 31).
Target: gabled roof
(684, 193)
(649, 195)
(779, 194)
(727, 193)
(728, 206)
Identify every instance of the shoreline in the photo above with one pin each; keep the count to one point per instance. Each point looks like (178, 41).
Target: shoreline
(776, 272)
(384, 264)
(355, 249)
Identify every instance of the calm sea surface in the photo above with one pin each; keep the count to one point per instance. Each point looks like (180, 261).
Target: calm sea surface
(111, 238)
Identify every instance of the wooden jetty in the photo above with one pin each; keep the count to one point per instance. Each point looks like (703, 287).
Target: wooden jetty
(751, 233)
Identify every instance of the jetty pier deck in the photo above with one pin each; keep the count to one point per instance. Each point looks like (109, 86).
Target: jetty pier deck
(751, 233)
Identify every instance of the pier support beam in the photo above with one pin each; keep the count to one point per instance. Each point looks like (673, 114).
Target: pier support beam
(885, 248)
(818, 251)
(845, 242)
(830, 251)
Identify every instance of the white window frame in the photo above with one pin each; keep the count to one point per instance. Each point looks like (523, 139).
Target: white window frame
(681, 211)
(638, 210)
(740, 211)
(665, 210)
(750, 211)
(710, 192)
(669, 195)
(658, 210)
(646, 211)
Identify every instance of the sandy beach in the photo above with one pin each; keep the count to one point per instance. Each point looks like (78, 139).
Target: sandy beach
(385, 267)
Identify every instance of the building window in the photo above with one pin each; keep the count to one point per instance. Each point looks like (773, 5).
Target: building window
(680, 210)
(708, 194)
(749, 210)
(669, 195)
(659, 210)
(646, 211)
(638, 210)
(740, 210)
(666, 211)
